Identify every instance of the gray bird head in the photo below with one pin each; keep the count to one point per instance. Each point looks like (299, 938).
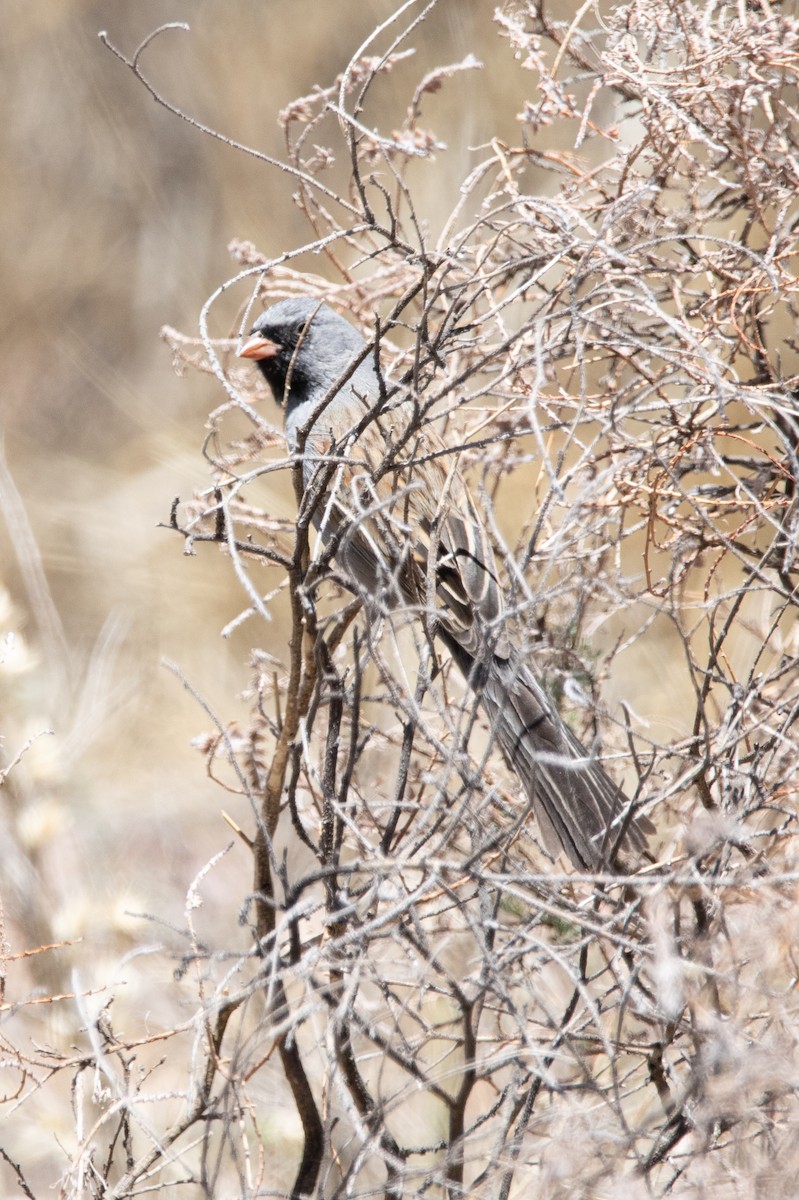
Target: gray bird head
(302, 347)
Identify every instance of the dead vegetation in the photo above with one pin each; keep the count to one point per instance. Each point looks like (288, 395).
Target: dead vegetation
(429, 1004)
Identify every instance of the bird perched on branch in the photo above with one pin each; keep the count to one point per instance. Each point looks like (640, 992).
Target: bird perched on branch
(408, 535)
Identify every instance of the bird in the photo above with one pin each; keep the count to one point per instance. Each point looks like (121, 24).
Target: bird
(389, 498)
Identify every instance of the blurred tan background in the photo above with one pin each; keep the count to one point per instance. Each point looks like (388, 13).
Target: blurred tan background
(115, 220)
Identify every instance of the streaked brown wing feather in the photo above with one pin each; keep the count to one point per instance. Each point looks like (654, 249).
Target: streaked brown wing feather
(417, 509)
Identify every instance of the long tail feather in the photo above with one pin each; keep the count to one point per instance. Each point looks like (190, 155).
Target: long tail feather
(577, 804)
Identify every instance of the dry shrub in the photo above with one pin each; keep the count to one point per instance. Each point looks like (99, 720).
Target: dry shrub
(605, 337)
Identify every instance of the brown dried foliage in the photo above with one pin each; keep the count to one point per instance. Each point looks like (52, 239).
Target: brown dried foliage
(613, 359)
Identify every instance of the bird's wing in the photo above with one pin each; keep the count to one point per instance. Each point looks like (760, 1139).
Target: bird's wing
(408, 527)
